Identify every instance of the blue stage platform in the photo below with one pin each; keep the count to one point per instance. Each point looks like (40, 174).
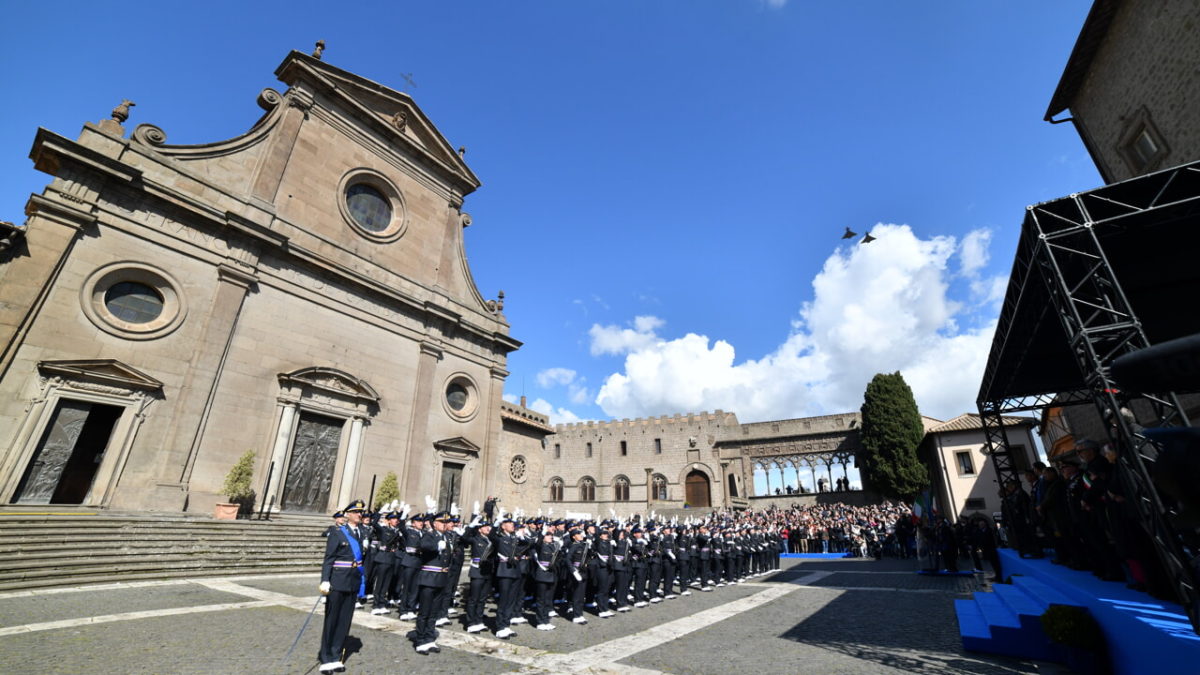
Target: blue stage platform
(1144, 634)
(816, 556)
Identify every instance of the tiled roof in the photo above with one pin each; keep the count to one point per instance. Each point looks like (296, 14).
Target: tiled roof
(970, 421)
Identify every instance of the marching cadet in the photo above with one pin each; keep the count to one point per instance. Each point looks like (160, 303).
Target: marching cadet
(600, 571)
(342, 581)
(478, 542)
(545, 575)
(509, 579)
(410, 564)
(387, 541)
(454, 537)
(637, 556)
(670, 561)
(436, 554)
(687, 559)
(653, 565)
(622, 568)
(577, 557)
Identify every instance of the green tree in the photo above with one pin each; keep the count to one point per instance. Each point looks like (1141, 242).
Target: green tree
(388, 490)
(238, 482)
(891, 433)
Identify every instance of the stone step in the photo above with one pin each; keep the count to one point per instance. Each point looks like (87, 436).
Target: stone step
(164, 568)
(100, 576)
(127, 538)
(86, 552)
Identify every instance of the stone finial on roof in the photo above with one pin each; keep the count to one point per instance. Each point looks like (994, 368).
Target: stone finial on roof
(121, 112)
(319, 50)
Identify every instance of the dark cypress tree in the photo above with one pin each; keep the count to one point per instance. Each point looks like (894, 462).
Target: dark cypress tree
(891, 433)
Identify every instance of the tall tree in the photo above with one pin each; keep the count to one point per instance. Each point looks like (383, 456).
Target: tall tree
(891, 433)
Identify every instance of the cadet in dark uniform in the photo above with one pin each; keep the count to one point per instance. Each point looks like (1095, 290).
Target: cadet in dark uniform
(478, 543)
(436, 555)
(509, 579)
(622, 569)
(342, 580)
(577, 581)
(410, 564)
(600, 572)
(545, 575)
(387, 541)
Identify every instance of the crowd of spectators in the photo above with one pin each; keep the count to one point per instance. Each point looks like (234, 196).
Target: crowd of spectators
(862, 531)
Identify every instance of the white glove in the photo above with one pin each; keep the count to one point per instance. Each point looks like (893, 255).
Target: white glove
(475, 522)
(550, 512)
(404, 510)
(324, 588)
(578, 576)
(612, 512)
(476, 509)
(460, 530)
(430, 505)
(454, 508)
(441, 544)
(539, 513)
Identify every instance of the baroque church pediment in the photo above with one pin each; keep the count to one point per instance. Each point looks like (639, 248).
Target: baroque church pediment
(103, 371)
(457, 447)
(389, 112)
(331, 380)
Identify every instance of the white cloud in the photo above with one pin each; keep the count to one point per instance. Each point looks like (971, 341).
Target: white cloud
(511, 398)
(557, 415)
(776, 4)
(877, 308)
(973, 254)
(613, 339)
(555, 376)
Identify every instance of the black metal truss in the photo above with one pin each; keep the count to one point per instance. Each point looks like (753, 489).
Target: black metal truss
(1100, 325)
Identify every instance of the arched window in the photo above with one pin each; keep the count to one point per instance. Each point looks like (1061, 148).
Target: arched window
(587, 490)
(556, 490)
(621, 489)
(658, 487)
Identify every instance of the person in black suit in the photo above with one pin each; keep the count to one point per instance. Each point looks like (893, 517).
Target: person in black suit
(388, 538)
(342, 581)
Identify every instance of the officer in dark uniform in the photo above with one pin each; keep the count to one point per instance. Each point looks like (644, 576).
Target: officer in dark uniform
(436, 554)
(622, 568)
(410, 564)
(577, 581)
(545, 576)
(387, 538)
(342, 580)
(637, 560)
(509, 578)
(600, 572)
(478, 543)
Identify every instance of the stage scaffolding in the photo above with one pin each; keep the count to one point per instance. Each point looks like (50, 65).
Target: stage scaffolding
(1097, 275)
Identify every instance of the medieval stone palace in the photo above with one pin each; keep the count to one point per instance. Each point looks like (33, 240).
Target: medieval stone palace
(302, 292)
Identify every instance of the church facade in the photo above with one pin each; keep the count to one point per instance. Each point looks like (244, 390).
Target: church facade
(300, 291)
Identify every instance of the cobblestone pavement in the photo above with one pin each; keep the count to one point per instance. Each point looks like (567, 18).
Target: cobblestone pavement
(825, 617)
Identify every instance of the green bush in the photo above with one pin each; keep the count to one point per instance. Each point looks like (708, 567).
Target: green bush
(388, 490)
(1073, 627)
(238, 487)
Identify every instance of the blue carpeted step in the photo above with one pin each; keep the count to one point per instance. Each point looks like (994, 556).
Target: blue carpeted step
(1028, 609)
(1041, 592)
(997, 614)
(976, 636)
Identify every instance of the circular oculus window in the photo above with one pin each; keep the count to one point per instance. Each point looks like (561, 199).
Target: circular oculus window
(372, 206)
(133, 300)
(461, 399)
(518, 469)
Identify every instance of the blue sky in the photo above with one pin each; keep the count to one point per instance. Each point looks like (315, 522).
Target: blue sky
(665, 182)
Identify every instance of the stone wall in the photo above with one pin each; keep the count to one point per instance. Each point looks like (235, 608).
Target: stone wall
(1145, 70)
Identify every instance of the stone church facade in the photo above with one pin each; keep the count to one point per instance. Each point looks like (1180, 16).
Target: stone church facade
(300, 291)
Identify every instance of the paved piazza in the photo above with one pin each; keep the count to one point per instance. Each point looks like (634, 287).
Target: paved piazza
(851, 616)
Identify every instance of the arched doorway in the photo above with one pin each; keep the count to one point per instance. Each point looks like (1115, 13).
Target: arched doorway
(697, 489)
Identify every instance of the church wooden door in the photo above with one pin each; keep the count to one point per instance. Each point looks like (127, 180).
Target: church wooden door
(697, 490)
(310, 471)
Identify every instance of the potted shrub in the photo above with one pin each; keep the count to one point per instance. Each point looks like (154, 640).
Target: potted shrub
(1080, 638)
(237, 489)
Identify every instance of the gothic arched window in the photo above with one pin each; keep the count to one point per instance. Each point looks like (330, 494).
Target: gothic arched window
(556, 490)
(621, 489)
(658, 487)
(587, 490)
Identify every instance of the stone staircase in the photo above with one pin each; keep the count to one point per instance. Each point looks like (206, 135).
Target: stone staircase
(40, 550)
